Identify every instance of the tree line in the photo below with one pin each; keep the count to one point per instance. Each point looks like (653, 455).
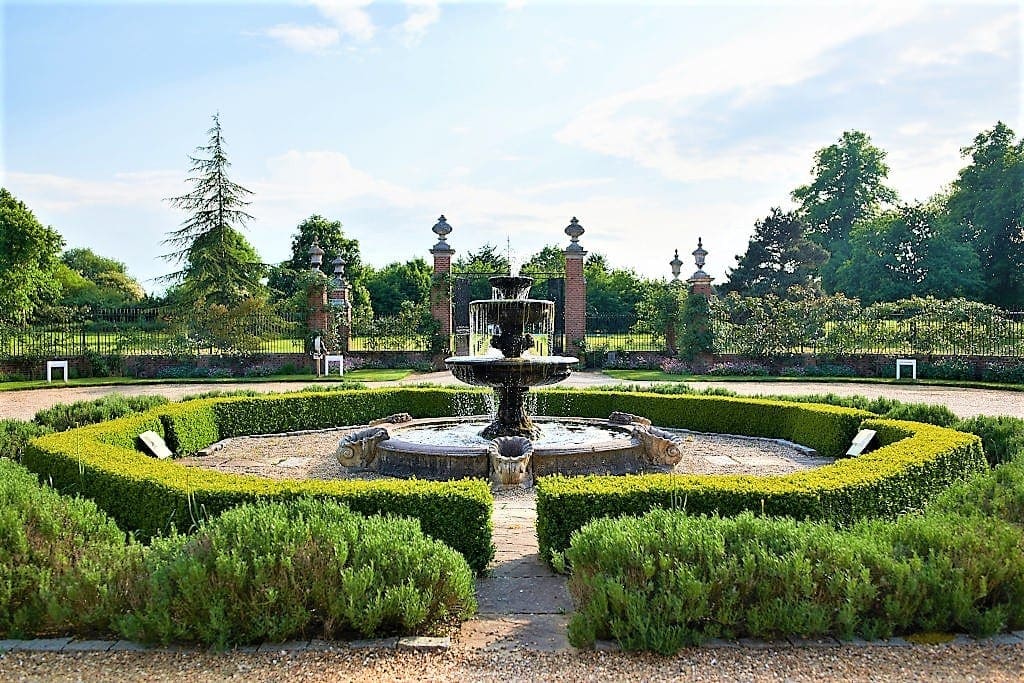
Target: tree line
(851, 233)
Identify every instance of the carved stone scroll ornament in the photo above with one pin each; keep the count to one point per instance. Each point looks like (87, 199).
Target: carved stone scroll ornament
(660, 447)
(510, 460)
(358, 450)
(396, 419)
(626, 419)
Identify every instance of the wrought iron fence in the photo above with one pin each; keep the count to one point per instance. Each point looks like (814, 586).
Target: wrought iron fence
(395, 333)
(153, 331)
(620, 332)
(959, 333)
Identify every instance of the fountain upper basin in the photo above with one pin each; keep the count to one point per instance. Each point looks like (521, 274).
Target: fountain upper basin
(531, 371)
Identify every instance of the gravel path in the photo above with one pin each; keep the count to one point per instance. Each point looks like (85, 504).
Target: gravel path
(312, 456)
(23, 405)
(973, 662)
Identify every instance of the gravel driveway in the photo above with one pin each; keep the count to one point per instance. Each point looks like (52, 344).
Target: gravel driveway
(23, 405)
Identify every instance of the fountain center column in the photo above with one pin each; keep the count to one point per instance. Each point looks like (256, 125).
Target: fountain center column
(512, 419)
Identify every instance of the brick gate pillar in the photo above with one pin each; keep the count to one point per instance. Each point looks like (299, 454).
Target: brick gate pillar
(575, 290)
(441, 290)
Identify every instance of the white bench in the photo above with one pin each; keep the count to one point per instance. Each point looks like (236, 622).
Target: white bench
(339, 359)
(906, 362)
(51, 364)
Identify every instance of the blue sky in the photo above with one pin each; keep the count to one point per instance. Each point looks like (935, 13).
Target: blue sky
(654, 123)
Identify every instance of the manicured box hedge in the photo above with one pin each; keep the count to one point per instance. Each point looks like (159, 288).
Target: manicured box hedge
(148, 496)
(915, 462)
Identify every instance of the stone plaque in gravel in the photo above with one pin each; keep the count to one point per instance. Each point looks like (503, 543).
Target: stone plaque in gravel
(155, 445)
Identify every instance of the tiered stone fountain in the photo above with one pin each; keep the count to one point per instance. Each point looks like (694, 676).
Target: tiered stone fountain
(511, 319)
(512, 448)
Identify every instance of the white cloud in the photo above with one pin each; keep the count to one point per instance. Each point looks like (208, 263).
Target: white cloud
(350, 16)
(422, 15)
(994, 38)
(634, 231)
(56, 193)
(647, 124)
(304, 38)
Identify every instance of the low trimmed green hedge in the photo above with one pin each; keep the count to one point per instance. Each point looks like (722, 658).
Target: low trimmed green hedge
(667, 579)
(149, 496)
(915, 462)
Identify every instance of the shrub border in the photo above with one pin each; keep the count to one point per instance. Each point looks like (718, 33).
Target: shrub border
(915, 462)
(148, 496)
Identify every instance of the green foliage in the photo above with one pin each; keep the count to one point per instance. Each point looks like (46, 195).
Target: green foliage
(89, 279)
(778, 257)
(986, 206)
(667, 579)
(998, 493)
(915, 462)
(28, 260)
(15, 435)
(278, 571)
(219, 265)
(911, 250)
(1002, 437)
(67, 415)
(771, 326)
(397, 285)
(848, 186)
(613, 290)
(60, 560)
(149, 496)
(288, 281)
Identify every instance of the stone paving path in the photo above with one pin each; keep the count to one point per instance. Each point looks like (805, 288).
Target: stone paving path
(522, 603)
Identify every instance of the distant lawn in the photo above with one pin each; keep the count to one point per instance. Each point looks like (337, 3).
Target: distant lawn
(659, 376)
(362, 375)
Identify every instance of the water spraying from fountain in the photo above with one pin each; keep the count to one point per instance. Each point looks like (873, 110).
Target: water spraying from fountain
(515, 324)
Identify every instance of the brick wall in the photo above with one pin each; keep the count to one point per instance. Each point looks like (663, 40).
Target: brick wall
(441, 292)
(575, 301)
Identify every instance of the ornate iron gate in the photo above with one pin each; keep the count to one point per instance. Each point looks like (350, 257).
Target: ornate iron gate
(548, 287)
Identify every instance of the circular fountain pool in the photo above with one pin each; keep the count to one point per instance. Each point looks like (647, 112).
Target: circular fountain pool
(452, 448)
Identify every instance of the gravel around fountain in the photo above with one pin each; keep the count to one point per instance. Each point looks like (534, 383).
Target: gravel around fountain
(311, 455)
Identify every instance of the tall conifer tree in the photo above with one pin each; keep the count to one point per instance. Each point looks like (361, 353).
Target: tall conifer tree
(219, 264)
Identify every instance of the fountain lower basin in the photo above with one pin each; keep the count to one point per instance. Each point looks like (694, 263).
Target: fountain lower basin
(453, 448)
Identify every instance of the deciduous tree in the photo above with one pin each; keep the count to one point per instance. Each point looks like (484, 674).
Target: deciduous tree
(987, 204)
(28, 260)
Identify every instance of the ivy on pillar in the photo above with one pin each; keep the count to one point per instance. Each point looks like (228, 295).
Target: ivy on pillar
(340, 300)
(698, 337)
(317, 303)
(575, 290)
(441, 289)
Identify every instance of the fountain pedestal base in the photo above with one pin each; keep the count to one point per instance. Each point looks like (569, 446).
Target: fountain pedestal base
(512, 419)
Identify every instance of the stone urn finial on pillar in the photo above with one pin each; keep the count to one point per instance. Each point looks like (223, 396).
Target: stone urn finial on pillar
(676, 265)
(575, 289)
(700, 282)
(441, 290)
